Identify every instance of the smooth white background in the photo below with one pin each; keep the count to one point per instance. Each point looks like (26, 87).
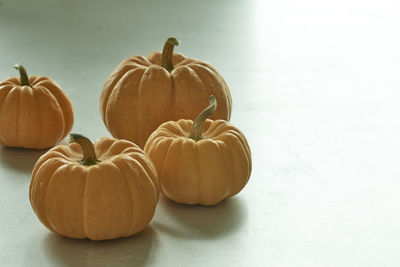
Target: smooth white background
(316, 90)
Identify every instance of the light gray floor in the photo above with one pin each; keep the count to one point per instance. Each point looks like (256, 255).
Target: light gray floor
(316, 90)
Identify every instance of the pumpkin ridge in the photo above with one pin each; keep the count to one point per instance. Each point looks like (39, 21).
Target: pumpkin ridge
(118, 167)
(7, 82)
(248, 154)
(186, 126)
(139, 108)
(43, 160)
(48, 95)
(205, 65)
(40, 135)
(170, 127)
(139, 60)
(13, 93)
(133, 154)
(248, 159)
(149, 146)
(222, 130)
(234, 135)
(58, 110)
(40, 161)
(127, 150)
(33, 185)
(84, 208)
(115, 148)
(60, 155)
(33, 180)
(200, 79)
(117, 90)
(226, 95)
(72, 151)
(132, 149)
(173, 97)
(2, 100)
(109, 87)
(199, 196)
(17, 118)
(229, 153)
(178, 144)
(62, 100)
(220, 174)
(181, 132)
(44, 210)
(216, 129)
(21, 129)
(33, 106)
(99, 144)
(155, 58)
(135, 164)
(181, 155)
(239, 136)
(245, 143)
(178, 59)
(6, 87)
(37, 80)
(225, 87)
(149, 168)
(186, 61)
(164, 162)
(227, 173)
(143, 158)
(186, 69)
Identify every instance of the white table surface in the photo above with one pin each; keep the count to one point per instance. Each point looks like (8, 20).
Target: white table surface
(316, 90)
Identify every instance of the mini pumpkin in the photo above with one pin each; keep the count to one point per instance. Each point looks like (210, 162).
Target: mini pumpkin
(141, 93)
(101, 191)
(34, 111)
(200, 162)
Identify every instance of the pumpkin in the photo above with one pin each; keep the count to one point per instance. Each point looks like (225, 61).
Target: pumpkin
(201, 161)
(34, 112)
(101, 191)
(141, 93)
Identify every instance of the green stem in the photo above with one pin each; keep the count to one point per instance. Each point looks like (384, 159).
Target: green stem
(24, 76)
(196, 133)
(168, 54)
(89, 155)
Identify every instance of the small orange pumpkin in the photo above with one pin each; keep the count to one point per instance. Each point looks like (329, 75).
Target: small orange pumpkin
(197, 166)
(141, 93)
(34, 112)
(101, 191)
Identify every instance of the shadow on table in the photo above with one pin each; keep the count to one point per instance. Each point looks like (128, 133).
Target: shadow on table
(131, 251)
(20, 159)
(196, 221)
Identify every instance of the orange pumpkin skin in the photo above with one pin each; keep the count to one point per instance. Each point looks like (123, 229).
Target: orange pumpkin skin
(114, 198)
(36, 116)
(139, 95)
(203, 172)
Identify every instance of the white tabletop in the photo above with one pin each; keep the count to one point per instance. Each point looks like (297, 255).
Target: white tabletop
(316, 90)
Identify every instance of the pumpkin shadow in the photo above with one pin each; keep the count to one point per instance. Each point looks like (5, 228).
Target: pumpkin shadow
(130, 251)
(20, 159)
(200, 222)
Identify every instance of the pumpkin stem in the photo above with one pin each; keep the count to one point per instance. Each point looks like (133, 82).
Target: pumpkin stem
(23, 75)
(89, 155)
(168, 54)
(197, 127)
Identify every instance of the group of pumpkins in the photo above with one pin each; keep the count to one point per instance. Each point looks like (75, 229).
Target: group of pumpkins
(110, 189)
